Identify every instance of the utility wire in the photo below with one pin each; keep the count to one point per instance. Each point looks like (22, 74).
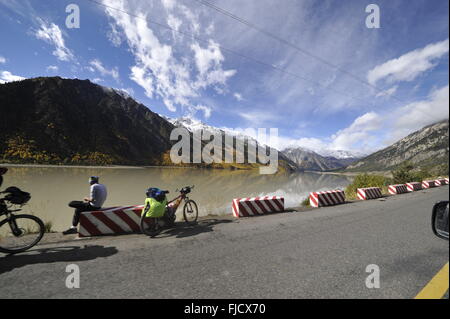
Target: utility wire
(282, 70)
(271, 35)
(274, 36)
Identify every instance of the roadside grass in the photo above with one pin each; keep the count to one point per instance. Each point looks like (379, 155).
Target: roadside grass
(48, 227)
(366, 180)
(29, 230)
(305, 202)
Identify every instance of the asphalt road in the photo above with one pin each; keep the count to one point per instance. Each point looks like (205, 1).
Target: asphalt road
(321, 253)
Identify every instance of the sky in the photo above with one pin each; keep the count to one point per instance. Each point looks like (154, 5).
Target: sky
(310, 68)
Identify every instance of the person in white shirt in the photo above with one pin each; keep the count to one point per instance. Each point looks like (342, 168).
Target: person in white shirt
(96, 200)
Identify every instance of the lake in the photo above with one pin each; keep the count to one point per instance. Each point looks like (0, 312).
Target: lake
(52, 188)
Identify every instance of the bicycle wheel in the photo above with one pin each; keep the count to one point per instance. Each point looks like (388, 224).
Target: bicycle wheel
(149, 226)
(190, 212)
(19, 233)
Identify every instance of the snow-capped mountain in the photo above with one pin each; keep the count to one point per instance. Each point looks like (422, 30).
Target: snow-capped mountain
(194, 125)
(341, 154)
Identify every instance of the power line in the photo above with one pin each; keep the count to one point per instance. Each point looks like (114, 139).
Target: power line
(282, 70)
(274, 36)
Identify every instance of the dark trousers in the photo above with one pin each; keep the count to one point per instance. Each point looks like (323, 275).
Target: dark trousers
(79, 208)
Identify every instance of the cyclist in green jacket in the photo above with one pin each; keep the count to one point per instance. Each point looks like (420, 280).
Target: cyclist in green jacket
(155, 203)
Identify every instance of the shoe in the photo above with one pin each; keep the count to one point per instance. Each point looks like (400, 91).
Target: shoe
(70, 231)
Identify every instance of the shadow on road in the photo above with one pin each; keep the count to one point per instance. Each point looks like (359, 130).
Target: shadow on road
(182, 230)
(56, 254)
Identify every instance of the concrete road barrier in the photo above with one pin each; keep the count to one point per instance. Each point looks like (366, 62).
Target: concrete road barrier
(428, 184)
(369, 193)
(441, 181)
(414, 186)
(327, 198)
(108, 221)
(254, 206)
(397, 189)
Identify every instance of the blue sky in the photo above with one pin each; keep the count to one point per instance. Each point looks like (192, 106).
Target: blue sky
(176, 74)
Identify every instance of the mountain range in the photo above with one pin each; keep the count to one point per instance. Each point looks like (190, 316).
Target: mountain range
(299, 157)
(51, 120)
(312, 161)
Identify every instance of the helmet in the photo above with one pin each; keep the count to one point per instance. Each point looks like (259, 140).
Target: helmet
(156, 193)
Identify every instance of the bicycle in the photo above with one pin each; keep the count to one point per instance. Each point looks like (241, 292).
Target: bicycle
(152, 226)
(18, 232)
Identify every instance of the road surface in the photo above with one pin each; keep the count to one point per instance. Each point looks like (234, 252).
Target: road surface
(321, 253)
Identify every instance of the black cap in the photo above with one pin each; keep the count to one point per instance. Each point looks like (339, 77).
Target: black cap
(93, 179)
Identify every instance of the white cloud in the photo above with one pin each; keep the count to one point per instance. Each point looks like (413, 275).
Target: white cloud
(175, 70)
(6, 76)
(2, 59)
(168, 4)
(238, 96)
(310, 143)
(174, 22)
(114, 36)
(52, 68)
(97, 65)
(410, 65)
(205, 109)
(208, 61)
(128, 91)
(416, 115)
(388, 92)
(358, 134)
(359, 137)
(52, 34)
(256, 118)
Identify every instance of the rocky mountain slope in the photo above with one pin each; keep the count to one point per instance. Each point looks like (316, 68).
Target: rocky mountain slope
(427, 147)
(55, 120)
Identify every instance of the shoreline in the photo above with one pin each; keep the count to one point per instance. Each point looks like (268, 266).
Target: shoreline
(383, 173)
(165, 167)
(97, 167)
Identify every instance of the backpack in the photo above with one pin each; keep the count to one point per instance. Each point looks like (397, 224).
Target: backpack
(154, 208)
(16, 196)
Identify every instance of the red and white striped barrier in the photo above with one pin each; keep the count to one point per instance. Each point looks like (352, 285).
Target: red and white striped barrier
(369, 193)
(253, 206)
(414, 186)
(327, 198)
(428, 184)
(441, 181)
(397, 189)
(114, 220)
(446, 180)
